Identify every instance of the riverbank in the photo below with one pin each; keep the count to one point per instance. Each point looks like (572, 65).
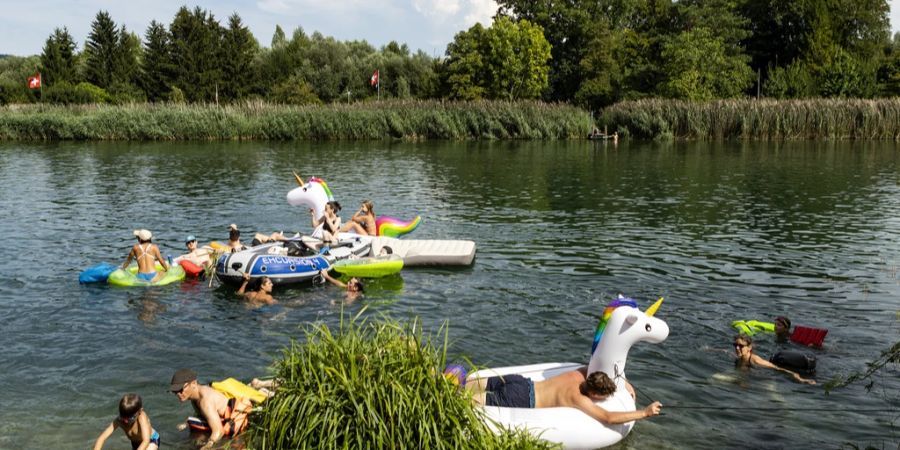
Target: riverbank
(406, 120)
(832, 119)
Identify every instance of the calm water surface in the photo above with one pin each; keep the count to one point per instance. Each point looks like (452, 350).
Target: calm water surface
(723, 231)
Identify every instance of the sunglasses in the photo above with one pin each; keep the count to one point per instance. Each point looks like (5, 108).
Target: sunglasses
(127, 420)
(739, 346)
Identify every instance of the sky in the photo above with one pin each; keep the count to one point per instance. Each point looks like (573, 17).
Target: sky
(427, 25)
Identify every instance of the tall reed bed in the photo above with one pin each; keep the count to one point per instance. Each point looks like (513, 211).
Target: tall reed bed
(410, 120)
(371, 385)
(836, 119)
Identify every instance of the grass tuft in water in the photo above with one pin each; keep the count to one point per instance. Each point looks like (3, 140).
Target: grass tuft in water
(371, 385)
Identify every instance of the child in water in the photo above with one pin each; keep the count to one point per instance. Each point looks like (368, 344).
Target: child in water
(134, 422)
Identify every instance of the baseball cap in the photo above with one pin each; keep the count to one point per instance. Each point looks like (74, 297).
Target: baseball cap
(181, 377)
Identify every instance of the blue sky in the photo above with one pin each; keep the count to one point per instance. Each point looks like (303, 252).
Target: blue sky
(422, 24)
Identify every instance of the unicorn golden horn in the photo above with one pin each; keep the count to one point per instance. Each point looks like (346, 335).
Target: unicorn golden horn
(297, 177)
(652, 309)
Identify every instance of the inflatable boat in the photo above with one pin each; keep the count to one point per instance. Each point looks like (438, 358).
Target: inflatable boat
(128, 277)
(290, 261)
(624, 325)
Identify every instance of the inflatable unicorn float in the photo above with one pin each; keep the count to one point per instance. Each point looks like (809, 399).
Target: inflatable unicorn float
(314, 193)
(621, 326)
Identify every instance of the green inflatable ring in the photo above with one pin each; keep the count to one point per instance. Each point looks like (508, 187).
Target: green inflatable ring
(371, 267)
(751, 327)
(128, 278)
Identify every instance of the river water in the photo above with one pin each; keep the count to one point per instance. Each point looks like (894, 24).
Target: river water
(722, 231)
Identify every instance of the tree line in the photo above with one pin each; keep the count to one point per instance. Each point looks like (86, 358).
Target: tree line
(589, 52)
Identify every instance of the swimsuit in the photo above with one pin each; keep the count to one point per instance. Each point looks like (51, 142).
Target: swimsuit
(146, 276)
(154, 439)
(149, 276)
(510, 391)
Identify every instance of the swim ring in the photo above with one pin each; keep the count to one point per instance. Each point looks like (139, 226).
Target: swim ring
(128, 277)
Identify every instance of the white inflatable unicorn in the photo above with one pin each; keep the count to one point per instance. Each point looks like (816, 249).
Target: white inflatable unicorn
(315, 193)
(621, 326)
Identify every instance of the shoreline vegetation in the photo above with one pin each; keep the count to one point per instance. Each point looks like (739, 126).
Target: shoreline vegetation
(412, 120)
(372, 384)
(760, 120)
(257, 120)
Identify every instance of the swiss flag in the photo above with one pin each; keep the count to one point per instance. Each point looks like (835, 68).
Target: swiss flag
(374, 80)
(34, 82)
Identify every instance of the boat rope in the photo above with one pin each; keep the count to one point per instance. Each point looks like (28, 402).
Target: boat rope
(649, 398)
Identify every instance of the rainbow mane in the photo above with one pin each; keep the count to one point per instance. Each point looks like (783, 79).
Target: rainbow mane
(322, 183)
(394, 227)
(607, 313)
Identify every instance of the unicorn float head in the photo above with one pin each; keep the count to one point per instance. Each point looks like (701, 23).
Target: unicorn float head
(621, 326)
(314, 194)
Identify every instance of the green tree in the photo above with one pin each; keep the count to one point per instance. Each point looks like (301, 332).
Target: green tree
(698, 67)
(102, 51)
(793, 81)
(509, 61)
(156, 65)
(845, 76)
(58, 58)
(239, 49)
(196, 55)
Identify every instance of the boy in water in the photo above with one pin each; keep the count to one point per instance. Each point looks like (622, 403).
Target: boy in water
(134, 422)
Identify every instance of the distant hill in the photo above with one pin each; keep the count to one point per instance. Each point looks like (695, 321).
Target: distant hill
(5, 56)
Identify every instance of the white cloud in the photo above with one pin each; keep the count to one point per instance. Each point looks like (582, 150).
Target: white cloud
(481, 11)
(438, 9)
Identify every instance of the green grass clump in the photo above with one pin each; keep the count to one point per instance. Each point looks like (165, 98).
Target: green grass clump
(749, 119)
(388, 119)
(371, 386)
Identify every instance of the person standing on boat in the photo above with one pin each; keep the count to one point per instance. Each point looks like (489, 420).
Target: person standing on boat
(146, 254)
(575, 389)
(363, 221)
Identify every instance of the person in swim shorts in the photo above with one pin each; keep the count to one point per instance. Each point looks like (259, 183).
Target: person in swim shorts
(146, 254)
(743, 349)
(223, 417)
(575, 389)
(134, 422)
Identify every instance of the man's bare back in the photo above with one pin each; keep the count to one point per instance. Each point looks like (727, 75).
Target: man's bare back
(564, 390)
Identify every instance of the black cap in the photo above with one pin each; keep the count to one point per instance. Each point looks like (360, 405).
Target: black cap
(181, 377)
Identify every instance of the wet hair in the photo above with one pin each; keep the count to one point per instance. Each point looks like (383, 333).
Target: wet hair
(743, 338)
(784, 320)
(257, 283)
(335, 206)
(130, 405)
(369, 206)
(234, 234)
(598, 383)
(360, 287)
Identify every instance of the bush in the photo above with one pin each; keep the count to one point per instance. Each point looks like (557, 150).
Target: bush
(371, 385)
(295, 91)
(81, 93)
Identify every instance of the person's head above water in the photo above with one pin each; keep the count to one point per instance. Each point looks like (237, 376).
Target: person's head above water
(743, 347)
(782, 327)
(129, 407)
(355, 285)
(233, 233)
(597, 386)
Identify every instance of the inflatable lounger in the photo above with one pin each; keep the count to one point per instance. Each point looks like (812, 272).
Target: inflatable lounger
(428, 252)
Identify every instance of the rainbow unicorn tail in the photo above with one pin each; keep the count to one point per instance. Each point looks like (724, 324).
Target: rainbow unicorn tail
(394, 227)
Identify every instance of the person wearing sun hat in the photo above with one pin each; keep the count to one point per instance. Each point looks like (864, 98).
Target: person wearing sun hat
(146, 254)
